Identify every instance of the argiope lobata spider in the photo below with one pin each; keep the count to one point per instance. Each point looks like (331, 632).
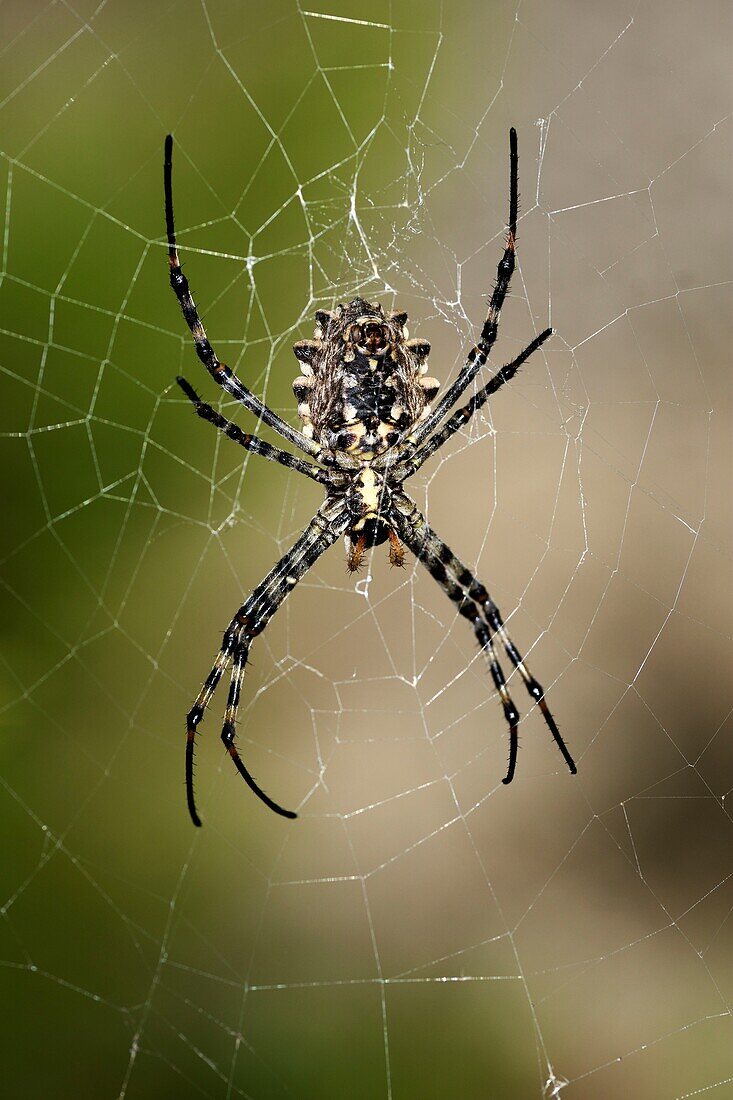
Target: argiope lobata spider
(365, 403)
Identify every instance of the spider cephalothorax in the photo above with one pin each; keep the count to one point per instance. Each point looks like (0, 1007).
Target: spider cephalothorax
(368, 425)
(369, 500)
(363, 380)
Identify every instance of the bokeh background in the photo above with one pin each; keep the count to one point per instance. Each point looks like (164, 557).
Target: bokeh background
(420, 930)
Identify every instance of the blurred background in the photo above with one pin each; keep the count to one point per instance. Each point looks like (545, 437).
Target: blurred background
(420, 930)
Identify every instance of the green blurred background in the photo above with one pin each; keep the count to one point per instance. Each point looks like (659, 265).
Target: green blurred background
(420, 931)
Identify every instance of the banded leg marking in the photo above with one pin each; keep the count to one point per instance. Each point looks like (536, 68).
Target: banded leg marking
(435, 563)
(492, 617)
(510, 711)
(464, 589)
(228, 733)
(479, 354)
(325, 528)
(244, 439)
(462, 416)
(196, 713)
(220, 372)
(537, 692)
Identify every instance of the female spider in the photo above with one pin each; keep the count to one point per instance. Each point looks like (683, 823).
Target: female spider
(368, 425)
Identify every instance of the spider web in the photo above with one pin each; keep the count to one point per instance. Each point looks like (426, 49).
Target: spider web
(421, 930)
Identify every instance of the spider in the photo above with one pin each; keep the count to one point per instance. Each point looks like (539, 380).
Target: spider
(369, 423)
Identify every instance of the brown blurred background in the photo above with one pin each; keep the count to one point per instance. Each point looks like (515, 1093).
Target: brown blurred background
(420, 931)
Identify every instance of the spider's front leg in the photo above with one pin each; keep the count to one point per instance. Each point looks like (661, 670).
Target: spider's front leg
(474, 603)
(326, 527)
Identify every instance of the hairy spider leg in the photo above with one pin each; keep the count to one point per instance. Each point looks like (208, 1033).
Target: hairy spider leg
(326, 527)
(421, 541)
(197, 711)
(462, 587)
(480, 353)
(229, 731)
(222, 374)
(249, 442)
(461, 417)
(493, 617)
(494, 620)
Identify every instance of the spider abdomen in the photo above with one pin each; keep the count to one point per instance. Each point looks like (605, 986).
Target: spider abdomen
(363, 382)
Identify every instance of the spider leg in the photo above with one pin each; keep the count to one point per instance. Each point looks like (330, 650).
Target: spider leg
(326, 527)
(244, 439)
(463, 415)
(421, 544)
(493, 617)
(475, 604)
(196, 713)
(480, 353)
(229, 731)
(222, 374)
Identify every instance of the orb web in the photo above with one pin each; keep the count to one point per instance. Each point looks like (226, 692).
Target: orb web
(420, 928)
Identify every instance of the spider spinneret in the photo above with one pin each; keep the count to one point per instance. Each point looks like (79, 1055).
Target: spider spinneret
(369, 423)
